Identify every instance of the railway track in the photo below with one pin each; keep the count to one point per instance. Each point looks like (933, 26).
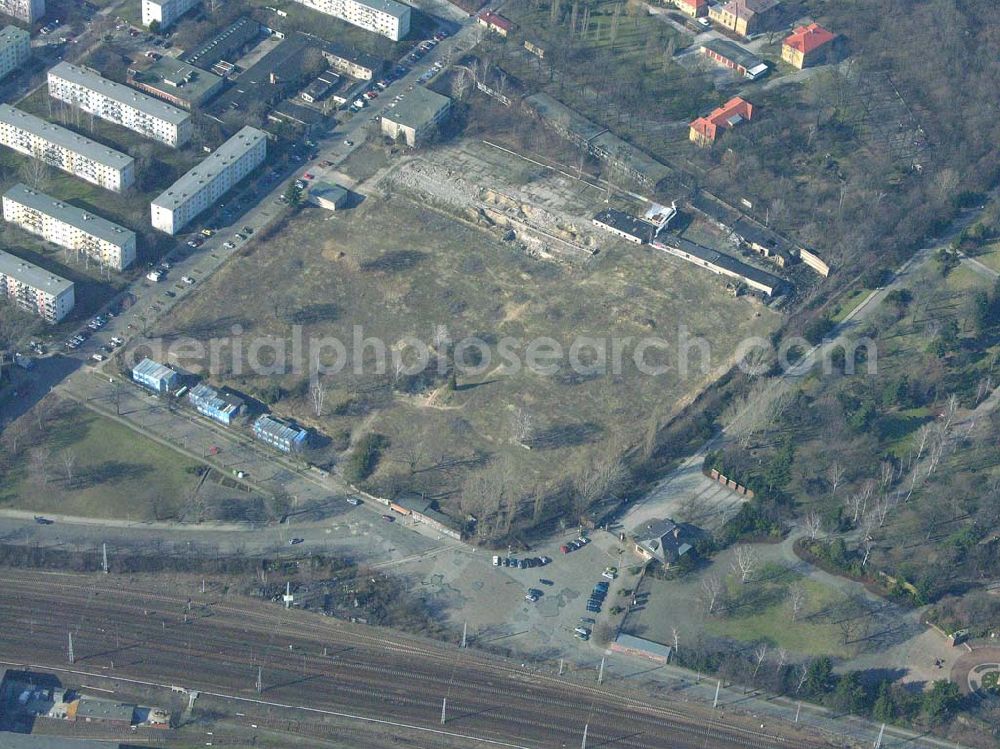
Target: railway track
(217, 645)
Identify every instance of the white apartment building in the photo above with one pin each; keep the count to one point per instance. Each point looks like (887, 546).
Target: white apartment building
(28, 11)
(203, 185)
(47, 295)
(386, 17)
(117, 103)
(164, 12)
(15, 49)
(68, 226)
(64, 149)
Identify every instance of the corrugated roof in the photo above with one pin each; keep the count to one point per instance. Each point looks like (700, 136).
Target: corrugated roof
(153, 370)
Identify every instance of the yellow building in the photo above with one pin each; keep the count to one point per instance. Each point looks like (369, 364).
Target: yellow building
(745, 17)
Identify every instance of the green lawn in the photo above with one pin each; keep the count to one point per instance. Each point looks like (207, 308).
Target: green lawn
(990, 256)
(846, 305)
(117, 473)
(812, 634)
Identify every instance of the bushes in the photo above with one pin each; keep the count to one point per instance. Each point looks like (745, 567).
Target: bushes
(364, 459)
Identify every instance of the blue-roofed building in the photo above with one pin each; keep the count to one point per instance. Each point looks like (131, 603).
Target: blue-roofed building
(221, 406)
(157, 377)
(280, 434)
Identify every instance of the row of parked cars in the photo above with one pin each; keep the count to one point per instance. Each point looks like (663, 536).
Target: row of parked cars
(521, 564)
(574, 545)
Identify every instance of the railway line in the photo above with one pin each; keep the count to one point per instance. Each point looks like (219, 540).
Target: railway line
(217, 645)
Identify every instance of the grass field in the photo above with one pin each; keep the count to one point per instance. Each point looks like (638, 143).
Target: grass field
(116, 473)
(813, 633)
(396, 269)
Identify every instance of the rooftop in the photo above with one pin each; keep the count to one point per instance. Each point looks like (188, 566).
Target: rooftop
(153, 370)
(218, 400)
(234, 36)
(12, 35)
(119, 92)
(495, 19)
(730, 114)
(391, 7)
(179, 79)
(417, 108)
(60, 136)
(734, 52)
(627, 223)
(806, 39)
(96, 709)
(721, 260)
(70, 214)
(559, 114)
(749, 8)
(347, 52)
(33, 741)
(280, 430)
(327, 191)
(210, 168)
(638, 643)
(32, 275)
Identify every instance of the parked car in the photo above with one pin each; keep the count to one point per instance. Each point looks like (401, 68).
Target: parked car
(389, 518)
(565, 549)
(295, 541)
(195, 242)
(353, 501)
(530, 596)
(545, 581)
(207, 232)
(98, 357)
(496, 560)
(42, 520)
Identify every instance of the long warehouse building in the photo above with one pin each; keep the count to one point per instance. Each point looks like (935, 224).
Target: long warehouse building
(15, 49)
(117, 103)
(35, 289)
(386, 17)
(203, 185)
(66, 225)
(64, 149)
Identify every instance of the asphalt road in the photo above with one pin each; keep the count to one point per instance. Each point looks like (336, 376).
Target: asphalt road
(315, 666)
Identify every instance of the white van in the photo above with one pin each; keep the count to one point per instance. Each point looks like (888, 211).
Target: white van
(496, 560)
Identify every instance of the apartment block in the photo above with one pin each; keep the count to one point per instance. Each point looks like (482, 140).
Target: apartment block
(206, 183)
(64, 149)
(280, 434)
(416, 116)
(93, 93)
(385, 17)
(28, 11)
(68, 226)
(35, 289)
(165, 12)
(15, 49)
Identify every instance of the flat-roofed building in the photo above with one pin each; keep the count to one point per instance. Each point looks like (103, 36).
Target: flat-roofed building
(203, 185)
(15, 49)
(218, 405)
(353, 62)
(157, 377)
(28, 11)
(386, 17)
(165, 12)
(733, 56)
(68, 226)
(413, 118)
(64, 149)
(117, 103)
(179, 83)
(225, 45)
(35, 289)
(280, 434)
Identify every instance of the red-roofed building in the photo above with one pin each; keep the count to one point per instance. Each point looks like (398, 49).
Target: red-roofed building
(495, 22)
(693, 8)
(806, 45)
(705, 130)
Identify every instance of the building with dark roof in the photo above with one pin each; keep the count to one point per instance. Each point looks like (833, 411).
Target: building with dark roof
(319, 88)
(495, 22)
(625, 225)
(662, 541)
(720, 263)
(422, 510)
(224, 45)
(307, 120)
(91, 710)
(733, 56)
(177, 82)
(218, 405)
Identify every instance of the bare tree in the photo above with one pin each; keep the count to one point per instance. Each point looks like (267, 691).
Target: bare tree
(522, 427)
(676, 635)
(760, 655)
(711, 591)
(69, 462)
(744, 562)
(35, 172)
(836, 475)
(923, 435)
(38, 463)
(317, 394)
(796, 600)
(813, 524)
(803, 674)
